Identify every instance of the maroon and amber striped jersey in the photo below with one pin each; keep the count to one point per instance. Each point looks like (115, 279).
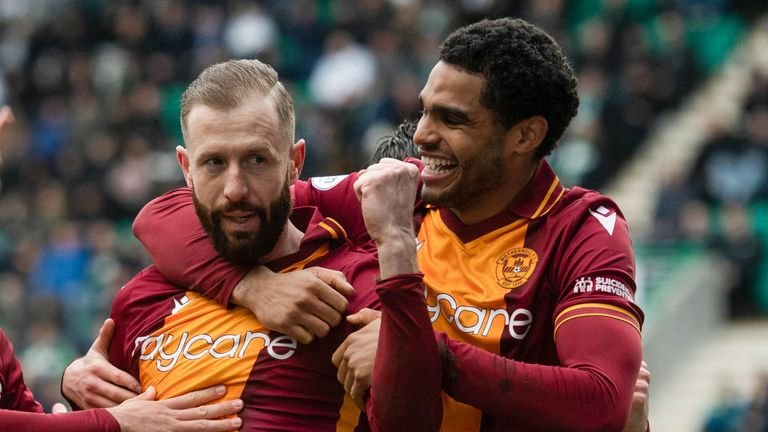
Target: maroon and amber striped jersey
(179, 340)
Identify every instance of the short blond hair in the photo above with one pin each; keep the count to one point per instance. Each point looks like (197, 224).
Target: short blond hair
(226, 85)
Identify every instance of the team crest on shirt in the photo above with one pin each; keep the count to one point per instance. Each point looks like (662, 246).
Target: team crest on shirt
(515, 266)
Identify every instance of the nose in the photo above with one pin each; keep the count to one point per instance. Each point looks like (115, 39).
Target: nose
(424, 135)
(235, 186)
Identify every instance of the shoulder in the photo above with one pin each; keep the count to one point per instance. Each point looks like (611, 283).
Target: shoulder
(586, 210)
(148, 285)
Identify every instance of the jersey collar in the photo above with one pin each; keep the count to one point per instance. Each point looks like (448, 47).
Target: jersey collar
(540, 195)
(535, 200)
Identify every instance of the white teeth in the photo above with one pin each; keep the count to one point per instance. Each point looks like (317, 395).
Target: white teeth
(437, 164)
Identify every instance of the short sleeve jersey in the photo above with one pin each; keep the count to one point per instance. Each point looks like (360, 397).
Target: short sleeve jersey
(507, 283)
(179, 341)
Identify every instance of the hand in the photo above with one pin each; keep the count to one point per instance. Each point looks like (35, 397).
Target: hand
(387, 191)
(638, 413)
(93, 382)
(355, 356)
(303, 304)
(178, 414)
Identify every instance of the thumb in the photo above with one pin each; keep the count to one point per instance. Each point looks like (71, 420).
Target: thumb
(363, 317)
(59, 408)
(101, 344)
(149, 394)
(335, 279)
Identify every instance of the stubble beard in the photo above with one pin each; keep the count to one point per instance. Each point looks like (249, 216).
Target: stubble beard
(478, 175)
(246, 248)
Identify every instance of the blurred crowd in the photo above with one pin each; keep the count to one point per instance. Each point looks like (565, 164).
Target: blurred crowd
(95, 86)
(722, 203)
(735, 412)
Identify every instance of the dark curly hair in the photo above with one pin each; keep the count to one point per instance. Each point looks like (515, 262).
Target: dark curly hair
(399, 145)
(526, 73)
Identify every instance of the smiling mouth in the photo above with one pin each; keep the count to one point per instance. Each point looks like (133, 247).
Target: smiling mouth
(437, 166)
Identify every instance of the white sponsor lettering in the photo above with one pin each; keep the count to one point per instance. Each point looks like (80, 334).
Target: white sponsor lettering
(478, 321)
(602, 284)
(156, 348)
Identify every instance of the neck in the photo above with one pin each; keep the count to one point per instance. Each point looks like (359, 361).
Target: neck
(495, 201)
(288, 243)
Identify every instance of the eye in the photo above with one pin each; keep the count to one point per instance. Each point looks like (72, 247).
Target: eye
(213, 162)
(256, 160)
(450, 121)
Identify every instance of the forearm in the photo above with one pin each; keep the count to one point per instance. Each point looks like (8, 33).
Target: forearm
(96, 420)
(170, 230)
(397, 254)
(405, 393)
(592, 390)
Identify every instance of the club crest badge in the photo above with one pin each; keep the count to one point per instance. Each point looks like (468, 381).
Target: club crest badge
(515, 266)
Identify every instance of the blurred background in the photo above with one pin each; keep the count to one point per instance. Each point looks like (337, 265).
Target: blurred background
(673, 124)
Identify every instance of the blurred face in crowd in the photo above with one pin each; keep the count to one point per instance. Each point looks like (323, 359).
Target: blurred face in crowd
(467, 154)
(6, 118)
(240, 166)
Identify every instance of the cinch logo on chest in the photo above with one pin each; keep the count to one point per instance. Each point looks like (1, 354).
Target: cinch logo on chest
(515, 266)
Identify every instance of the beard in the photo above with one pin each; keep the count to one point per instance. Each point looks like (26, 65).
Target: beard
(480, 173)
(246, 248)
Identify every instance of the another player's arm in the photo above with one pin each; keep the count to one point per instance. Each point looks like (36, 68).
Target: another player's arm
(307, 304)
(405, 392)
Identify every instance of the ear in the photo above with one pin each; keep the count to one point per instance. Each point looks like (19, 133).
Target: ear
(183, 157)
(526, 136)
(298, 153)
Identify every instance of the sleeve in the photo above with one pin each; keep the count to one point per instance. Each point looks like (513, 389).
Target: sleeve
(169, 224)
(596, 271)
(95, 420)
(336, 199)
(406, 388)
(592, 389)
(14, 393)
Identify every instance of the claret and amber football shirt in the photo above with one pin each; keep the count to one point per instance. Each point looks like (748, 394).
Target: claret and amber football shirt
(508, 284)
(179, 341)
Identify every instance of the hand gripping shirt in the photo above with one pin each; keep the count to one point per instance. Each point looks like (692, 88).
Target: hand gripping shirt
(19, 411)
(179, 341)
